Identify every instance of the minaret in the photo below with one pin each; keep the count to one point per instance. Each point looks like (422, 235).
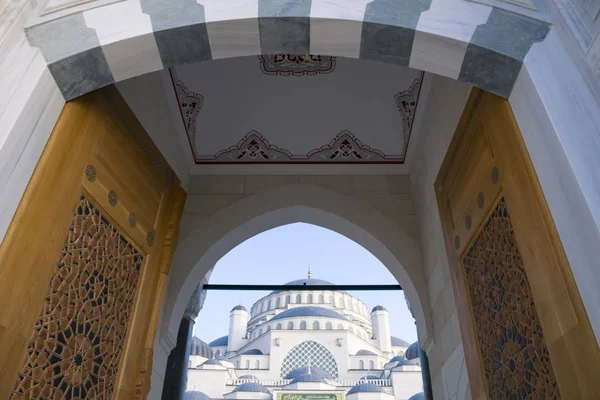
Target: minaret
(309, 273)
(238, 324)
(380, 320)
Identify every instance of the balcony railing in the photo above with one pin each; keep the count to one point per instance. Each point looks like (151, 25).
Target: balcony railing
(333, 382)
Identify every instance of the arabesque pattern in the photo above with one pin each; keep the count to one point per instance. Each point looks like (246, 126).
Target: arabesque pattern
(515, 357)
(76, 344)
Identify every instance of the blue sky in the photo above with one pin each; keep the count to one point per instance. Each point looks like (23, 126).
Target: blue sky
(283, 254)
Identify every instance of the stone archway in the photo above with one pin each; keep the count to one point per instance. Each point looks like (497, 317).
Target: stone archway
(462, 40)
(202, 248)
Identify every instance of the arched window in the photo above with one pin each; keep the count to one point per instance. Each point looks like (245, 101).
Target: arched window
(321, 299)
(262, 307)
(247, 364)
(288, 300)
(290, 326)
(361, 364)
(269, 305)
(258, 364)
(303, 325)
(348, 304)
(310, 299)
(309, 353)
(371, 365)
(217, 353)
(351, 329)
(316, 325)
(328, 326)
(340, 326)
(298, 299)
(278, 302)
(268, 328)
(239, 364)
(278, 327)
(331, 301)
(259, 332)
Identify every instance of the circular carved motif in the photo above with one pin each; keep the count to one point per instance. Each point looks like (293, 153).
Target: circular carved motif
(112, 198)
(495, 175)
(132, 219)
(90, 173)
(480, 200)
(468, 222)
(456, 242)
(150, 238)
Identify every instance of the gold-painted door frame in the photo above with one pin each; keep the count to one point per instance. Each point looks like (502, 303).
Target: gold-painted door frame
(469, 186)
(36, 234)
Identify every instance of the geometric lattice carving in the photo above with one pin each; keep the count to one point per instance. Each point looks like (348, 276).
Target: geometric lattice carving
(406, 101)
(291, 64)
(76, 344)
(515, 357)
(309, 353)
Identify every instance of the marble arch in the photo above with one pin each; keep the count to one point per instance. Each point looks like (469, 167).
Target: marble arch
(462, 40)
(201, 249)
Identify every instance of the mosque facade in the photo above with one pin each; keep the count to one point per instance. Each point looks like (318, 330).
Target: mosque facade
(309, 344)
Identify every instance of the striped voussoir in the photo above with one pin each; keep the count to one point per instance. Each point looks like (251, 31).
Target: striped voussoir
(463, 40)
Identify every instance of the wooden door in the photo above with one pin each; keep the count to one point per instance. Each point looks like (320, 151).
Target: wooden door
(525, 331)
(85, 259)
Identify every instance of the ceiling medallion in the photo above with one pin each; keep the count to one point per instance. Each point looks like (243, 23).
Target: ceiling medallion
(495, 175)
(132, 219)
(90, 173)
(150, 239)
(112, 198)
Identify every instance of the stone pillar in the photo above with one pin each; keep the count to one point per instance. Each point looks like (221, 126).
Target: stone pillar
(177, 364)
(424, 360)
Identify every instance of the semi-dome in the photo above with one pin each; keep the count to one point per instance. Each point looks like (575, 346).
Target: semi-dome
(253, 387)
(222, 341)
(417, 396)
(253, 352)
(398, 358)
(212, 361)
(309, 311)
(239, 308)
(195, 395)
(413, 351)
(249, 377)
(307, 369)
(305, 282)
(369, 377)
(397, 342)
(200, 348)
(378, 308)
(309, 378)
(365, 388)
(364, 352)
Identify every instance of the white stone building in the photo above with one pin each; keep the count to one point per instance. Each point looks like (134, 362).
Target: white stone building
(318, 342)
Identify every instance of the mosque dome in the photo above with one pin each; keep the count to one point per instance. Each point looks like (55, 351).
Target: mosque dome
(417, 396)
(364, 352)
(212, 361)
(413, 351)
(308, 369)
(253, 352)
(365, 388)
(200, 348)
(378, 308)
(398, 358)
(238, 308)
(397, 342)
(248, 377)
(305, 282)
(309, 311)
(195, 395)
(222, 341)
(254, 387)
(309, 378)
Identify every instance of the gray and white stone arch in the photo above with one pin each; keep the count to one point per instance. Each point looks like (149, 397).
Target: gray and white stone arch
(474, 43)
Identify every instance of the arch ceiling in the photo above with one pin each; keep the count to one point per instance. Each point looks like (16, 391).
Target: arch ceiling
(90, 46)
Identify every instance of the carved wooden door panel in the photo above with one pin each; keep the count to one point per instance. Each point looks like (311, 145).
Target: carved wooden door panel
(524, 329)
(83, 265)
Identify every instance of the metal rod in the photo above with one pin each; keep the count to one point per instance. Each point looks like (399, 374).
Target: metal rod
(218, 286)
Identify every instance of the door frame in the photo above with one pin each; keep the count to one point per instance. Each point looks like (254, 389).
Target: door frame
(568, 334)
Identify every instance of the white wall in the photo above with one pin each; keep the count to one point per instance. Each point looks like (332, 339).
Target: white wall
(446, 102)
